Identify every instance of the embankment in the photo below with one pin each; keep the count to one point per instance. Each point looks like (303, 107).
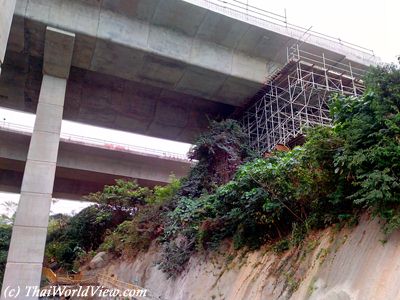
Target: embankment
(351, 263)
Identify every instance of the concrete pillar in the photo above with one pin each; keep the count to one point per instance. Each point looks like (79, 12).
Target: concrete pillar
(7, 8)
(25, 256)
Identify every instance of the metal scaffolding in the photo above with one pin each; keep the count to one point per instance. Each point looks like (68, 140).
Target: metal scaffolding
(296, 97)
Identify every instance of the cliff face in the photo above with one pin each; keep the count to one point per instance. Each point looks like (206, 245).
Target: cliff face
(352, 263)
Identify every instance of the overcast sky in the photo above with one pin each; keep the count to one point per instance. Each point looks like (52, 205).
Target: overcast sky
(368, 23)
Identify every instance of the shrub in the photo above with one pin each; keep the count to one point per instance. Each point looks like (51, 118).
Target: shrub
(5, 237)
(370, 128)
(137, 233)
(133, 236)
(219, 152)
(123, 197)
(82, 232)
(267, 199)
(162, 194)
(174, 258)
(232, 194)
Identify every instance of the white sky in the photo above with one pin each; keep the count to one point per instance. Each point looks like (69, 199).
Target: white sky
(58, 206)
(21, 118)
(368, 23)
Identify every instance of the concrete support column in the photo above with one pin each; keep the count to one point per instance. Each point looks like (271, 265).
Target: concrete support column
(25, 256)
(7, 8)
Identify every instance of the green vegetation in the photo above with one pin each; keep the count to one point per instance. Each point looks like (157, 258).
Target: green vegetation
(370, 157)
(123, 197)
(125, 220)
(191, 217)
(340, 172)
(336, 174)
(5, 237)
(266, 200)
(5, 234)
(76, 237)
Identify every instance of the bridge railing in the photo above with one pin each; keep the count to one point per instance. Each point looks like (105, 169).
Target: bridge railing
(296, 53)
(75, 279)
(105, 144)
(265, 19)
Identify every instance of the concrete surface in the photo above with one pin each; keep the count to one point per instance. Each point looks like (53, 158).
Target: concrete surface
(6, 16)
(29, 233)
(148, 66)
(171, 45)
(57, 57)
(157, 67)
(83, 168)
(108, 101)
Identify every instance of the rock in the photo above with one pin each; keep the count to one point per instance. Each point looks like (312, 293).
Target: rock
(341, 295)
(100, 260)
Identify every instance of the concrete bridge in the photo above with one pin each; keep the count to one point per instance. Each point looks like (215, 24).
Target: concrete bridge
(155, 67)
(85, 165)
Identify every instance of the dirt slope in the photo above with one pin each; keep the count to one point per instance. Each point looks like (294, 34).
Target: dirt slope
(352, 263)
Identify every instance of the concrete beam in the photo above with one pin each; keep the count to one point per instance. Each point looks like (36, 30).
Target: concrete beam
(58, 49)
(172, 30)
(28, 240)
(69, 184)
(150, 42)
(109, 101)
(138, 62)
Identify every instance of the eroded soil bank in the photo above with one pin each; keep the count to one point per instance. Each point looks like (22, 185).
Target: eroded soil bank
(353, 263)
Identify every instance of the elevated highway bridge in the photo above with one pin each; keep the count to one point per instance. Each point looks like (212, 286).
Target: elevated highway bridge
(156, 67)
(85, 165)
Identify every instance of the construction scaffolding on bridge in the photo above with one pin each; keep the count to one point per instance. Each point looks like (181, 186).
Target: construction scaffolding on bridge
(296, 97)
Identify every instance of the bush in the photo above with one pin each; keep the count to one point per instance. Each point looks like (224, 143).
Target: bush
(133, 236)
(82, 232)
(219, 152)
(232, 194)
(163, 194)
(123, 197)
(5, 238)
(370, 157)
(126, 220)
(174, 258)
(267, 199)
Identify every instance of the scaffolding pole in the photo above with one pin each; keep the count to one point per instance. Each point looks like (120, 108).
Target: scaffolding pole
(296, 96)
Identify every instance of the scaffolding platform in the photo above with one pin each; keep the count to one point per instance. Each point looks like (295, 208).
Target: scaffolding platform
(296, 96)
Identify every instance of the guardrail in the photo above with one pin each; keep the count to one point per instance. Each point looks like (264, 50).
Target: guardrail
(113, 282)
(263, 18)
(130, 290)
(74, 279)
(295, 53)
(104, 144)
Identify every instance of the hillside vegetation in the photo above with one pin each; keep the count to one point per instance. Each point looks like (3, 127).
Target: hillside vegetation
(232, 194)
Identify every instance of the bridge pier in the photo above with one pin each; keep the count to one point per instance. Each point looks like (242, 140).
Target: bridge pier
(6, 15)
(25, 256)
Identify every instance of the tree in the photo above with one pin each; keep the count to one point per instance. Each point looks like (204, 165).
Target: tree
(370, 157)
(219, 152)
(124, 196)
